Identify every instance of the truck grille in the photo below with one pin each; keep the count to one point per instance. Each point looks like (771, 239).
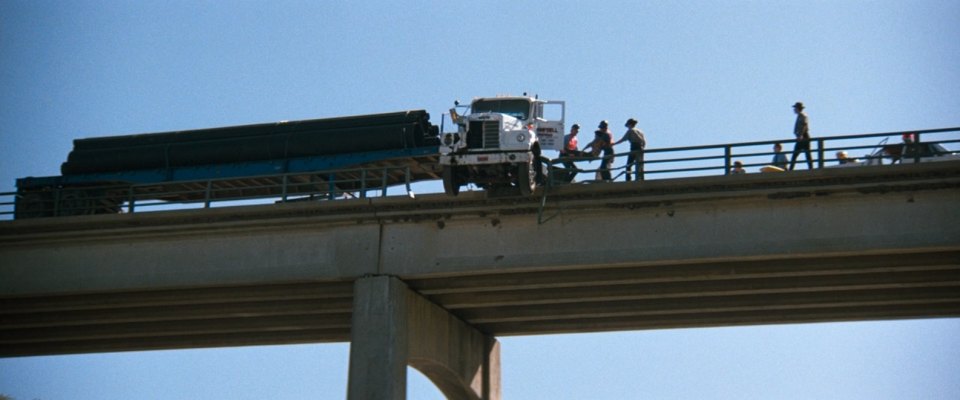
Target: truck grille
(483, 135)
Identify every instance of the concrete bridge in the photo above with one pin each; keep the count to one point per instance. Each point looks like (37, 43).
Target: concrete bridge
(431, 282)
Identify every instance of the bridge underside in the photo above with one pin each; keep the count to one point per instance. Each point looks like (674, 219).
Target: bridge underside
(707, 294)
(623, 285)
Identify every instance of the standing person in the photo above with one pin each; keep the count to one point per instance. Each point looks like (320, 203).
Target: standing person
(801, 129)
(570, 150)
(637, 143)
(602, 143)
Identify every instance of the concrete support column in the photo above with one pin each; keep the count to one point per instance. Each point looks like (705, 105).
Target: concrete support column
(378, 340)
(394, 326)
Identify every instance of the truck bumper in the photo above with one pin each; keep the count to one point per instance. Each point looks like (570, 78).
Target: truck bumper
(486, 158)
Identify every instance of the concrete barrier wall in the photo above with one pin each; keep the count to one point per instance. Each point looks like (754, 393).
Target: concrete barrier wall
(224, 258)
(746, 228)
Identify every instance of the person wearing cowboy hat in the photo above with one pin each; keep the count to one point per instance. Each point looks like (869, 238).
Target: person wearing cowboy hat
(801, 129)
(637, 143)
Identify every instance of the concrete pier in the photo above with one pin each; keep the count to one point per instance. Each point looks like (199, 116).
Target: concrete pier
(394, 327)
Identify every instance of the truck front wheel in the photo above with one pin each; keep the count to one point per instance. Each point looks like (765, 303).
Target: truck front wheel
(451, 183)
(526, 178)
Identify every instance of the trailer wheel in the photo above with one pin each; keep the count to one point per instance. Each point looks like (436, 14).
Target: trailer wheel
(526, 178)
(451, 184)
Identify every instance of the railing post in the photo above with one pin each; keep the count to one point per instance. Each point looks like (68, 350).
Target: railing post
(207, 193)
(363, 183)
(383, 193)
(331, 186)
(820, 155)
(283, 190)
(406, 171)
(916, 147)
(641, 165)
(727, 155)
(131, 201)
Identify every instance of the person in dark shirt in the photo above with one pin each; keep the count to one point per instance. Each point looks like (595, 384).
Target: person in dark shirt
(801, 129)
(779, 159)
(637, 143)
(602, 143)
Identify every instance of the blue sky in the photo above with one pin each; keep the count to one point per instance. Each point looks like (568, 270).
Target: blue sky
(692, 73)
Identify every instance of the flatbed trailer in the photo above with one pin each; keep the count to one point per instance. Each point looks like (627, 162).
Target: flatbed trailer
(324, 157)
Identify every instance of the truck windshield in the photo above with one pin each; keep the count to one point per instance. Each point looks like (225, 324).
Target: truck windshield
(514, 108)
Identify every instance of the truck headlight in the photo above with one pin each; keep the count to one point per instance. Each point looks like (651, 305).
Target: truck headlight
(448, 139)
(521, 138)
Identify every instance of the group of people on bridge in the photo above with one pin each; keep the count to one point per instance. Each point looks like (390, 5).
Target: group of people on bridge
(602, 146)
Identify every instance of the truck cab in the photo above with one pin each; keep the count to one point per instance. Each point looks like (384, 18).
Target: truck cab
(499, 142)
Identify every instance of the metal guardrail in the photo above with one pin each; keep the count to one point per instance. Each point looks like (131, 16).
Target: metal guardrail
(664, 163)
(718, 160)
(7, 204)
(708, 160)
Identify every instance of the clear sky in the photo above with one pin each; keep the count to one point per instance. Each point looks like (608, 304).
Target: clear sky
(692, 73)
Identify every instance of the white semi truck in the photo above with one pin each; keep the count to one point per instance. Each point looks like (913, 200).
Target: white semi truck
(499, 143)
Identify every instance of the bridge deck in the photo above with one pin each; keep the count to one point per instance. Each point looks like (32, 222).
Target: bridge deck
(671, 254)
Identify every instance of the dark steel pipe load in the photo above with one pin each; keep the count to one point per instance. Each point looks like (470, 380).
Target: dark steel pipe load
(281, 140)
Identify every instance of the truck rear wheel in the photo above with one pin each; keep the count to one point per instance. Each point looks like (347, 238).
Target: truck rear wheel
(451, 183)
